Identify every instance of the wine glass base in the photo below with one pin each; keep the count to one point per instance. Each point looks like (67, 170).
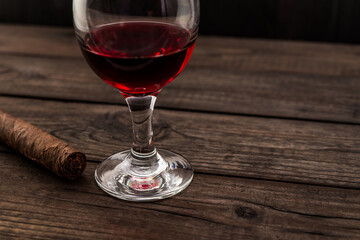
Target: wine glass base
(120, 177)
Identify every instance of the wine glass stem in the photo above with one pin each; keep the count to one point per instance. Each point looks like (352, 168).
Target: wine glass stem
(141, 109)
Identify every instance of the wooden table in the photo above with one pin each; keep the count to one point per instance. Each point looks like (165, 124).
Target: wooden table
(270, 127)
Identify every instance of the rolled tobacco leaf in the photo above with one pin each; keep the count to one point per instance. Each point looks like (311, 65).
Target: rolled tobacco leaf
(41, 147)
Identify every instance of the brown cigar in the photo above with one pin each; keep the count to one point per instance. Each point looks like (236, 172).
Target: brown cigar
(41, 147)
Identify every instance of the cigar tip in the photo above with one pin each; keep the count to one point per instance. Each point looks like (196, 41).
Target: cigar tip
(73, 166)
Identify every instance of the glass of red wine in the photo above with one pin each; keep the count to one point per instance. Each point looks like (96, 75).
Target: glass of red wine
(138, 47)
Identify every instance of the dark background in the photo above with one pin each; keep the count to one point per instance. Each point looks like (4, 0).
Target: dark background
(313, 20)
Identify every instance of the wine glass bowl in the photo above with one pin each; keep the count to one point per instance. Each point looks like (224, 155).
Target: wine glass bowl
(138, 47)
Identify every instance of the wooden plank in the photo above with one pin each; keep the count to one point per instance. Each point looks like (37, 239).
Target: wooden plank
(254, 77)
(286, 150)
(36, 204)
(316, 20)
(49, 41)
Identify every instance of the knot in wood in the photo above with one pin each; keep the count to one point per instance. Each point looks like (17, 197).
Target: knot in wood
(246, 212)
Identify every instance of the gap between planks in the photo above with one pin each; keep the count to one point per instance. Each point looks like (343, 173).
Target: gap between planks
(177, 109)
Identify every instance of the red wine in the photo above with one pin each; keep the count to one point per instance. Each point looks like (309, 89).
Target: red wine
(138, 57)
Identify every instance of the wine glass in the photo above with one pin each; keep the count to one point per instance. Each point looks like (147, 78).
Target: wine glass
(138, 47)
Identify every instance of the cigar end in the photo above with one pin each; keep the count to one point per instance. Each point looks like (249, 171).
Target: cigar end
(73, 166)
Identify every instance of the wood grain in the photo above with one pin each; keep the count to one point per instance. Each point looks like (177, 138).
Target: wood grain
(40, 205)
(241, 76)
(267, 175)
(285, 150)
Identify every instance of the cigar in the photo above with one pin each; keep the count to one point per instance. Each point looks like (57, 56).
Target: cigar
(41, 147)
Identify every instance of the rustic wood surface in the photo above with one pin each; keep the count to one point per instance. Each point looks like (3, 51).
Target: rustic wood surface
(271, 128)
(206, 88)
(276, 149)
(253, 77)
(40, 205)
